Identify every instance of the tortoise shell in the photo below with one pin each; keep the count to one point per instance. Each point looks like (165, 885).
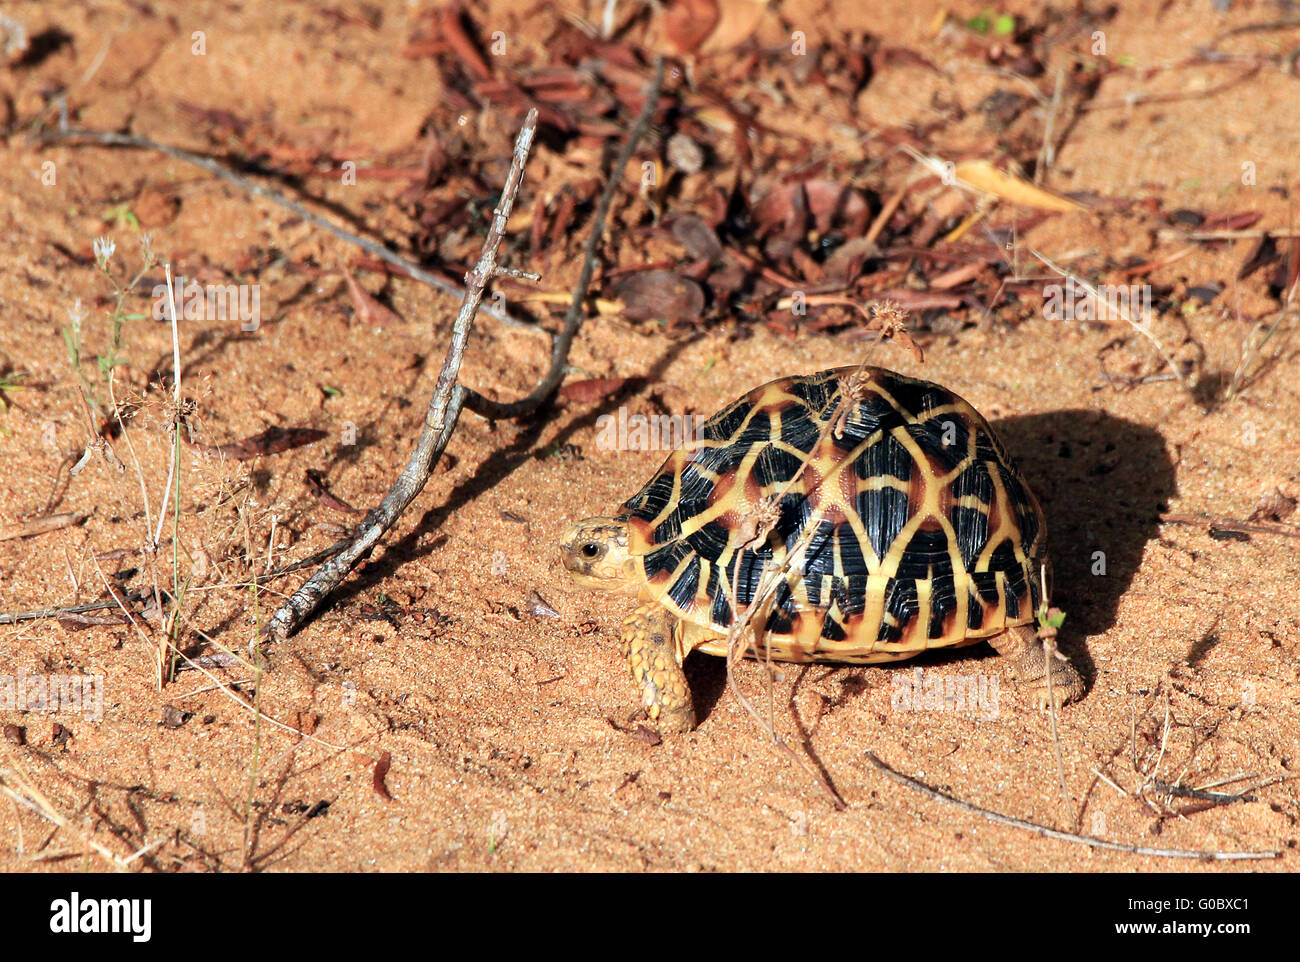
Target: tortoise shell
(926, 535)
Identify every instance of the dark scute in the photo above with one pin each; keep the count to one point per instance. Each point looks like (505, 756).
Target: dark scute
(1004, 559)
(866, 418)
(1017, 591)
(795, 511)
(883, 515)
(819, 392)
(951, 431)
(986, 583)
(930, 440)
(814, 589)
(889, 632)
(832, 630)
(747, 577)
(669, 529)
(720, 613)
(726, 422)
(819, 557)
(709, 541)
(695, 487)
(874, 414)
(684, 588)
(1026, 518)
(918, 398)
(900, 601)
(799, 430)
(852, 561)
(650, 500)
(850, 594)
(757, 431)
(886, 457)
(711, 586)
(720, 460)
(665, 559)
(974, 614)
(975, 481)
(781, 621)
(926, 556)
(943, 599)
(775, 465)
(971, 526)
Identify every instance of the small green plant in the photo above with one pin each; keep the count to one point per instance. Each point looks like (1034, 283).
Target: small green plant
(1002, 24)
(121, 215)
(1050, 617)
(10, 382)
(73, 334)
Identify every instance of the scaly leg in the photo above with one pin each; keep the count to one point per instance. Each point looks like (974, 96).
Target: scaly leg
(655, 658)
(1028, 663)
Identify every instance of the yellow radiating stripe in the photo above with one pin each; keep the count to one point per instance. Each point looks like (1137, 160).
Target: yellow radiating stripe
(1000, 613)
(919, 631)
(995, 536)
(873, 614)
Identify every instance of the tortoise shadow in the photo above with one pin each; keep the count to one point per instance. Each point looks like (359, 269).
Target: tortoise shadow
(1103, 482)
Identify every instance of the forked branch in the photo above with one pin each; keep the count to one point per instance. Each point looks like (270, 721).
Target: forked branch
(439, 420)
(449, 396)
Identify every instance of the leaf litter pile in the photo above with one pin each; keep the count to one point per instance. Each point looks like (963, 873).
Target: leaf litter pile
(773, 201)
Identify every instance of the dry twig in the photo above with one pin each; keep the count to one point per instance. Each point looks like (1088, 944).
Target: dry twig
(573, 320)
(439, 421)
(1089, 840)
(1142, 327)
(51, 522)
(449, 396)
(112, 139)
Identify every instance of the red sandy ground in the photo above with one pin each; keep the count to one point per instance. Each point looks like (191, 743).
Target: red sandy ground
(503, 755)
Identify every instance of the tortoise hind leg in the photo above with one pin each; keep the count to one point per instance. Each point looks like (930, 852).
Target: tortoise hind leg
(650, 644)
(1028, 657)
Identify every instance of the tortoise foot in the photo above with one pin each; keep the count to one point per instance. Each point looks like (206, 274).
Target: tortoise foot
(1028, 658)
(655, 661)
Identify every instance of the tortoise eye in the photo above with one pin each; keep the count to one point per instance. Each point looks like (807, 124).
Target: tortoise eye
(590, 550)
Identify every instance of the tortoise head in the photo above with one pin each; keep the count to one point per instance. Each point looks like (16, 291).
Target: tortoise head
(595, 553)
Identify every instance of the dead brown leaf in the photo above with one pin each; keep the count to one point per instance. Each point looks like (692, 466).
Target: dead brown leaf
(380, 773)
(686, 23)
(1273, 506)
(271, 441)
(592, 390)
(316, 485)
(660, 296)
(369, 310)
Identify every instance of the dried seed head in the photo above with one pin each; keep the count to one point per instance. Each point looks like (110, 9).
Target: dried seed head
(853, 390)
(758, 524)
(890, 320)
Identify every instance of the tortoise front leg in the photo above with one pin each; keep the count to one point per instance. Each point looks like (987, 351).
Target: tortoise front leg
(655, 658)
(1028, 663)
